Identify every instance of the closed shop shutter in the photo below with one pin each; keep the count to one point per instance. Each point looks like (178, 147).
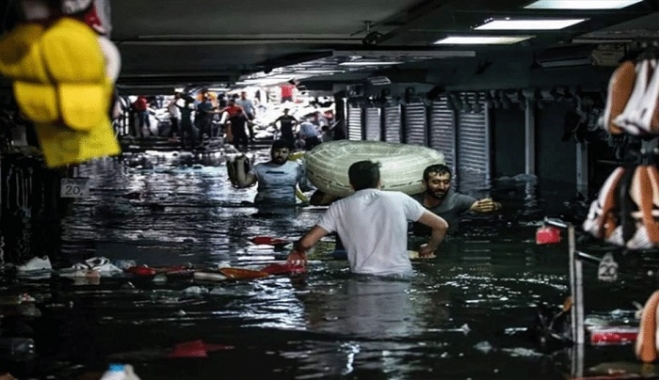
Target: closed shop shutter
(355, 123)
(373, 124)
(392, 124)
(415, 124)
(473, 161)
(442, 131)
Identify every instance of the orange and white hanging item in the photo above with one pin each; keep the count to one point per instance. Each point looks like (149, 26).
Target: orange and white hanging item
(631, 105)
(63, 75)
(626, 213)
(646, 341)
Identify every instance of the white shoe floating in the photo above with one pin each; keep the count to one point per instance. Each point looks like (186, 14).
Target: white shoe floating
(99, 265)
(36, 264)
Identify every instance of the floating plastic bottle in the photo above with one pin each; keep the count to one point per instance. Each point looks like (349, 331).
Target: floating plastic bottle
(120, 372)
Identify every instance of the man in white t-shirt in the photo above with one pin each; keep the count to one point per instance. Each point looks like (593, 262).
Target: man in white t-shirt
(373, 226)
(174, 115)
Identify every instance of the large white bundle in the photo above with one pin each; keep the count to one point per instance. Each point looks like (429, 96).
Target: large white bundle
(401, 165)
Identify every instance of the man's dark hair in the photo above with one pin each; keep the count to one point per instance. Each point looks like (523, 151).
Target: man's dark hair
(281, 144)
(364, 175)
(438, 169)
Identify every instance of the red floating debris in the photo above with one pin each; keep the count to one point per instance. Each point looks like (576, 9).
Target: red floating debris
(548, 235)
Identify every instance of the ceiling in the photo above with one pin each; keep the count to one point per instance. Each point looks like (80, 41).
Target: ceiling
(174, 43)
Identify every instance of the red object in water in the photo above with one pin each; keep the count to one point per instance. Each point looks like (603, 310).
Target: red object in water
(268, 240)
(142, 270)
(196, 349)
(548, 235)
(613, 335)
(242, 274)
(176, 269)
(284, 269)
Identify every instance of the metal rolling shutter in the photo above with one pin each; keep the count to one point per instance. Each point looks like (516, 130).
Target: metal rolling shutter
(373, 124)
(473, 161)
(415, 124)
(442, 130)
(355, 123)
(392, 124)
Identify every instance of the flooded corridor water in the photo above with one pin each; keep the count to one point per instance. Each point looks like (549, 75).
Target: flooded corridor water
(465, 314)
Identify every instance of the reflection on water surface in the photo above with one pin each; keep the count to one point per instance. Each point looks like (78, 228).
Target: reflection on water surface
(464, 315)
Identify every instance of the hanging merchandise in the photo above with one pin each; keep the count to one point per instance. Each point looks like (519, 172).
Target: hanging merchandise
(624, 213)
(631, 105)
(63, 78)
(646, 342)
(95, 13)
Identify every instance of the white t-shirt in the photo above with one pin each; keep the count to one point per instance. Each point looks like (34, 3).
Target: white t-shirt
(173, 110)
(372, 225)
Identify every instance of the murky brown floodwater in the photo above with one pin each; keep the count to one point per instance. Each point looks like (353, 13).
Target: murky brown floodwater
(463, 316)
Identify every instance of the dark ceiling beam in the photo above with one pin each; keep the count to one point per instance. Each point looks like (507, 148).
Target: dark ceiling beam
(175, 79)
(294, 59)
(412, 17)
(237, 41)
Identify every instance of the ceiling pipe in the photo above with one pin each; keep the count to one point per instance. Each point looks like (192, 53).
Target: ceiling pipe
(238, 41)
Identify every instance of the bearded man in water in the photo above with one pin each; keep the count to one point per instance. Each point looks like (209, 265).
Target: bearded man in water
(277, 179)
(442, 200)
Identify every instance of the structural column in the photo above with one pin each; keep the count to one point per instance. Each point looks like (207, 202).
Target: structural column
(529, 134)
(582, 168)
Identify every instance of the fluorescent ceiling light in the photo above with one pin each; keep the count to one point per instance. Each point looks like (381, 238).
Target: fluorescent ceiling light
(530, 24)
(482, 40)
(582, 4)
(379, 80)
(263, 81)
(319, 71)
(368, 63)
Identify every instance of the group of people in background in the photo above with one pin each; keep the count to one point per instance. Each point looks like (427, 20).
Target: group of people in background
(192, 120)
(309, 132)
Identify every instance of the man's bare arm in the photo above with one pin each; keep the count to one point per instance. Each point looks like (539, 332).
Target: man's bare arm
(298, 255)
(485, 205)
(439, 228)
(243, 179)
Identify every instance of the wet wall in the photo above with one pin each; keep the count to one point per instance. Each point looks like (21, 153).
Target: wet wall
(555, 159)
(508, 141)
(30, 208)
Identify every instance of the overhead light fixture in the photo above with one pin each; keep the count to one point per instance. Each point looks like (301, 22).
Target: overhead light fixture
(581, 4)
(529, 24)
(320, 71)
(564, 57)
(262, 81)
(482, 40)
(369, 63)
(379, 80)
